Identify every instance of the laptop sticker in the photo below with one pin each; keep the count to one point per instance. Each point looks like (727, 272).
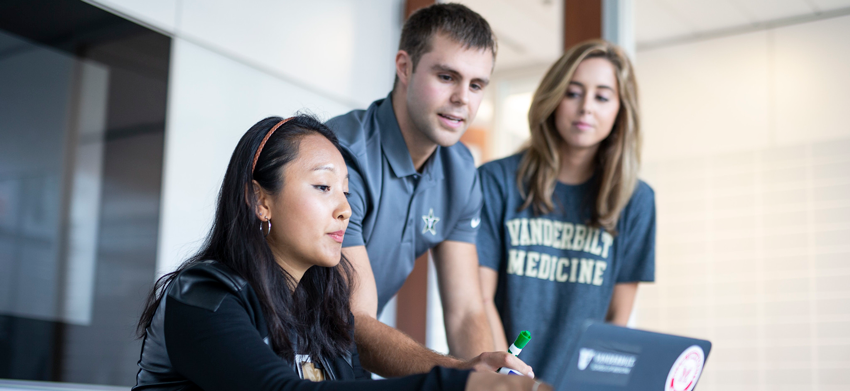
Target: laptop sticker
(601, 362)
(686, 370)
(606, 362)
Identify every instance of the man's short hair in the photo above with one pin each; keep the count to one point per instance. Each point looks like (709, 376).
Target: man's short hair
(456, 21)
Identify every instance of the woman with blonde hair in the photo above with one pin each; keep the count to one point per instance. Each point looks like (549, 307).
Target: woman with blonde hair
(567, 229)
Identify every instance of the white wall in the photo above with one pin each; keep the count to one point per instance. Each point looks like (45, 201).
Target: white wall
(748, 149)
(234, 63)
(341, 49)
(774, 87)
(213, 100)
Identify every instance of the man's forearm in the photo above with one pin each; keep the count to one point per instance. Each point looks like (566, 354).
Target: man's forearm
(469, 335)
(391, 353)
(500, 343)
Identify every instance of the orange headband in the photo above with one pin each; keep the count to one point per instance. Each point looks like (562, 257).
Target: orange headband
(263, 143)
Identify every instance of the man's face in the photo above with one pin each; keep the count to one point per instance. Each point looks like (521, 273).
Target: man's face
(445, 90)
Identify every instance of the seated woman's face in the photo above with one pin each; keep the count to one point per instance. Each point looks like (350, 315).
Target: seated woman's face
(587, 113)
(310, 213)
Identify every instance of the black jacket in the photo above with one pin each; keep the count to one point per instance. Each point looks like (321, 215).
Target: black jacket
(209, 333)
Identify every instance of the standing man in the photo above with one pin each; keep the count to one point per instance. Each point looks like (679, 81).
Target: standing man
(414, 187)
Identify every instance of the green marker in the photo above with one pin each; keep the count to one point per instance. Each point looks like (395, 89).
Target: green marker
(514, 349)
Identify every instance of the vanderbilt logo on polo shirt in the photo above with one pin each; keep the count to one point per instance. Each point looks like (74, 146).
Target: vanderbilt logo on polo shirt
(430, 222)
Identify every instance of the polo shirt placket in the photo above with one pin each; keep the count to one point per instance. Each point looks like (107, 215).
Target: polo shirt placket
(398, 213)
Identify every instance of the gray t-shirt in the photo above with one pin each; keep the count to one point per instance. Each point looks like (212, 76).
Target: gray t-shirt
(554, 270)
(396, 212)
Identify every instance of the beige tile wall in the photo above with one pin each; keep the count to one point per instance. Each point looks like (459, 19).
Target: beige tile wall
(754, 255)
(748, 149)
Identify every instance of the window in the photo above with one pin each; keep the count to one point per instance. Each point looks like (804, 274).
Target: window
(82, 124)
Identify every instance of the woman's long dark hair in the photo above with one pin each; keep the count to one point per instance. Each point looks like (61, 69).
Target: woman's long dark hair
(319, 305)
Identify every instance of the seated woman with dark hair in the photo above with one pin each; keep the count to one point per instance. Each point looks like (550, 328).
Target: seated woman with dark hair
(264, 305)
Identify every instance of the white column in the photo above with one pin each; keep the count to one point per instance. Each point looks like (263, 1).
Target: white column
(618, 24)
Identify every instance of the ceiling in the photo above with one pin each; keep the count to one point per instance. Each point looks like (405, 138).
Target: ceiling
(529, 31)
(660, 21)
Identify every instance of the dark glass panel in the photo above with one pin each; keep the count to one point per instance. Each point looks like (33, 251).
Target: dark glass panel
(82, 124)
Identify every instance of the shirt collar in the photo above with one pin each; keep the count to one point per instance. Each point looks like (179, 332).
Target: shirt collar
(433, 167)
(395, 149)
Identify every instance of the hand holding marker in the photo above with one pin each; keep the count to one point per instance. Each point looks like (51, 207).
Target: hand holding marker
(514, 349)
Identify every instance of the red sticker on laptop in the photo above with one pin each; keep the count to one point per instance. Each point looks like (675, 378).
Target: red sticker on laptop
(686, 370)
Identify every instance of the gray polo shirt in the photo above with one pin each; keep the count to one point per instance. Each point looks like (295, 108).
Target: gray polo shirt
(396, 212)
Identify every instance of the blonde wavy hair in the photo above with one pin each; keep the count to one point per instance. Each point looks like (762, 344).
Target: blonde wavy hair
(618, 157)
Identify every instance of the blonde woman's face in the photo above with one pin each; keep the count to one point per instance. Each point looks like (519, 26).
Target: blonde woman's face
(587, 113)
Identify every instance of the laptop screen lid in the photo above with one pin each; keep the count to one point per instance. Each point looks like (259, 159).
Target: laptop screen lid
(613, 358)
